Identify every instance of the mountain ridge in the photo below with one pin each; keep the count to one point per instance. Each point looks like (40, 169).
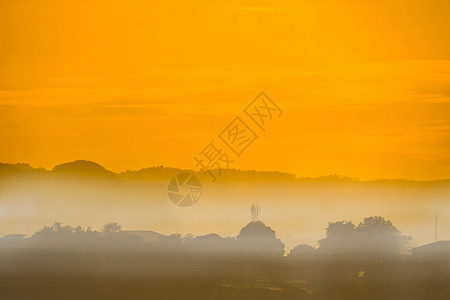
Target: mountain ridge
(86, 168)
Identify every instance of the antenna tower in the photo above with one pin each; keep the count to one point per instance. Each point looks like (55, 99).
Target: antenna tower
(256, 211)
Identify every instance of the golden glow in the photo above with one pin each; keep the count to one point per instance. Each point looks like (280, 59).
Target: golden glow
(130, 84)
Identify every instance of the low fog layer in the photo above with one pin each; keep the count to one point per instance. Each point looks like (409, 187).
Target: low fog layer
(297, 209)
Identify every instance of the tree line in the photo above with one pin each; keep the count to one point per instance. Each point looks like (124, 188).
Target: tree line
(374, 238)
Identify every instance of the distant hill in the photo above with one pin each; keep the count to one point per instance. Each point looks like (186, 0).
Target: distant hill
(165, 173)
(83, 168)
(12, 169)
(154, 173)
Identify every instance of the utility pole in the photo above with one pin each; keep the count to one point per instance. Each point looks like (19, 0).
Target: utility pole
(435, 227)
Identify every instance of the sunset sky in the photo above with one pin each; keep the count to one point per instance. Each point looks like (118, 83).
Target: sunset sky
(364, 85)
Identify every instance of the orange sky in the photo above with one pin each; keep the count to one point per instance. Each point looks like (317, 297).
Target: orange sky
(364, 85)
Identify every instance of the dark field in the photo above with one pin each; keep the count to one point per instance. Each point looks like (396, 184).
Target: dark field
(56, 275)
(126, 268)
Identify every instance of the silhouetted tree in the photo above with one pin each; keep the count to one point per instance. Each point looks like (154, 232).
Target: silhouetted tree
(341, 239)
(379, 238)
(59, 235)
(374, 238)
(303, 252)
(210, 243)
(259, 239)
(111, 228)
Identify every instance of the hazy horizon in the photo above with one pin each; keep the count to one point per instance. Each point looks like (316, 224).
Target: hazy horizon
(297, 209)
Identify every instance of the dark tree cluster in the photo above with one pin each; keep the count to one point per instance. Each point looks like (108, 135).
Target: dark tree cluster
(373, 239)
